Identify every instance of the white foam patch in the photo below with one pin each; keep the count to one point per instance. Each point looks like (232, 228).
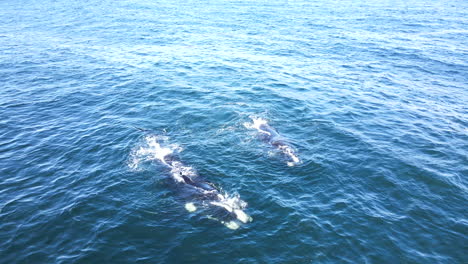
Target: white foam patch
(248, 125)
(256, 123)
(150, 149)
(190, 207)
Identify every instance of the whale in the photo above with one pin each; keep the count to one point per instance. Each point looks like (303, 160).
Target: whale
(223, 207)
(269, 135)
(207, 190)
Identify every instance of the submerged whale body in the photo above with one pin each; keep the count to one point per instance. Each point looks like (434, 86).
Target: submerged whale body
(227, 209)
(269, 135)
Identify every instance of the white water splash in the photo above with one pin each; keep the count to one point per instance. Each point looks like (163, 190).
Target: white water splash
(151, 150)
(256, 123)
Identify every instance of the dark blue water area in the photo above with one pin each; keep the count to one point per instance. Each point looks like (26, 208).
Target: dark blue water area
(371, 95)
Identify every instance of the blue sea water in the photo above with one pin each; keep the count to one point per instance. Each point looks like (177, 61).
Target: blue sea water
(371, 95)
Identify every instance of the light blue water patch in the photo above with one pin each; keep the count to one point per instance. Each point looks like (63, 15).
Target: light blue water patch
(371, 96)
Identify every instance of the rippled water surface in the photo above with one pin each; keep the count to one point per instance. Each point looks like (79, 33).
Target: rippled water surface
(370, 95)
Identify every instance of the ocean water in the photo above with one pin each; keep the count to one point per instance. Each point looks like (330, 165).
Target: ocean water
(371, 96)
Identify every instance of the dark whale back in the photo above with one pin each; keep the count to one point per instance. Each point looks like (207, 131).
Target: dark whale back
(200, 184)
